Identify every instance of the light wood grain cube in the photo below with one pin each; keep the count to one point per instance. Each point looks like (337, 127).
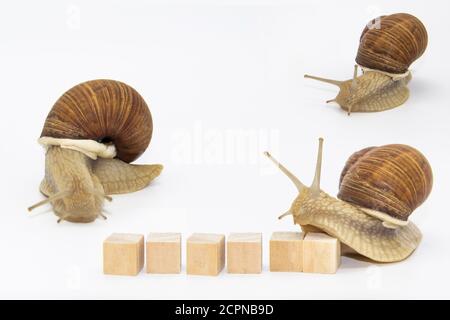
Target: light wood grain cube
(244, 253)
(205, 254)
(163, 253)
(123, 254)
(286, 252)
(321, 253)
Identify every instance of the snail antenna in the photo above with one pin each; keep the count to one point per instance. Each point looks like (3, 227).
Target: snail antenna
(330, 81)
(315, 186)
(284, 215)
(283, 169)
(54, 197)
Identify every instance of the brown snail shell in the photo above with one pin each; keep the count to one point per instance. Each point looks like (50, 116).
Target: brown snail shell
(392, 180)
(104, 111)
(399, 40)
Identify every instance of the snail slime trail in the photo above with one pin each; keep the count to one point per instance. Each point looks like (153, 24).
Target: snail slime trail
(385, 54)
(380, 187)
(91, 135)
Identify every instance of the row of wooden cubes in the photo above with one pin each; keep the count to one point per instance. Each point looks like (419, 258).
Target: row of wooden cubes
(123, 254)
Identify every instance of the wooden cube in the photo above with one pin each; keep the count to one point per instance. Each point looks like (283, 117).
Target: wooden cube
(163, 253)
(123, 254)
(244, 253)
(286, 252)
(205, 254)
(321, 253)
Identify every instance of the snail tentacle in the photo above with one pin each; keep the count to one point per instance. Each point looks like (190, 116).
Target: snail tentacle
(283, 169)
(330, 81)
(54, 197)
(315, 186)
(286, 214)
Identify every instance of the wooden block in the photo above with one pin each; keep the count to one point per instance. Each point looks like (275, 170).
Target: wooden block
(123, 254)
(163, 253)
(321, 253)
(205, 254)
(286, 252)
(244, 253)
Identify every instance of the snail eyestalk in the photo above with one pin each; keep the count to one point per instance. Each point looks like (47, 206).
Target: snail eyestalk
(315, 186)
(283, 169)
(49, 199)
(330, 81)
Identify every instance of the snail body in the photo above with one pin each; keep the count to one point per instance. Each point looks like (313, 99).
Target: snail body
(377, 235)
(387, 49)
(91, 134)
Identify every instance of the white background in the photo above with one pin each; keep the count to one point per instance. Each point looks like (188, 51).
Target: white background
(213, 71)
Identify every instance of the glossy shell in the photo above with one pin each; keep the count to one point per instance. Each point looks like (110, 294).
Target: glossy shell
(104, 111)
(393, 179)
(392, 44)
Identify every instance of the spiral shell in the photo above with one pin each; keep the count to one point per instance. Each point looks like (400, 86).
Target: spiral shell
(393, 43)
(104, 111)
(392, 179)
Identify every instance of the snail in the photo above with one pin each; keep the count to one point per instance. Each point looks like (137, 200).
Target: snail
(388, 46)
(91, 134)
(379, 189)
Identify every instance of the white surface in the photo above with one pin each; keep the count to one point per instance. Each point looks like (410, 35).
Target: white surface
(212, 71)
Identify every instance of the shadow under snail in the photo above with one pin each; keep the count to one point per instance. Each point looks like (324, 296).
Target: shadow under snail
(91, 134)
(378, 190)
(388, 46)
